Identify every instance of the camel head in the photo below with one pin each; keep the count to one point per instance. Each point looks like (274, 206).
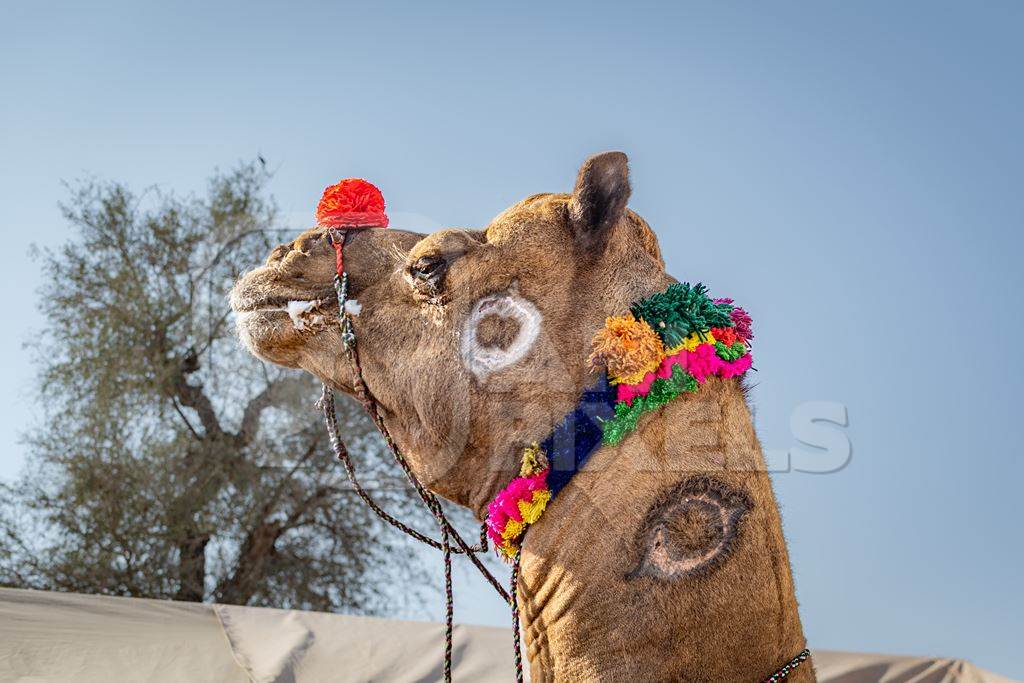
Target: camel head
(474, 342)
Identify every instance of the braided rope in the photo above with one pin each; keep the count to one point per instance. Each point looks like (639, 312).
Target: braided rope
(428, 498)
(448, 532)
(449, 606)
(326, 404)
(514, 592)
(789, 667)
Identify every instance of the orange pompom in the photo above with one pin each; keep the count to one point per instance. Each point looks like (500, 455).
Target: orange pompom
(352, 203)
(629, 348)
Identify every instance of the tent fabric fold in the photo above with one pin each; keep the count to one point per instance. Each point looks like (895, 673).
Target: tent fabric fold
(48, 637)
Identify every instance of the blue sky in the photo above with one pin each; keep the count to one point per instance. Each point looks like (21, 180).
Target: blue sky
(851, 172)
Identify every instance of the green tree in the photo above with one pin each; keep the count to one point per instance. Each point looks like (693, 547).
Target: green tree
(172, 464)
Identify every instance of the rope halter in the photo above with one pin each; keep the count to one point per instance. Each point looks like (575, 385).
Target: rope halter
(354, 204)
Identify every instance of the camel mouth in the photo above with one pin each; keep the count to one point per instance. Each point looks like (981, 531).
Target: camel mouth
(243, 301)
(286, 304)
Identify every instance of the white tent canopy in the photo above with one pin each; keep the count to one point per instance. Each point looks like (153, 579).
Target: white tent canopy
(48, 637)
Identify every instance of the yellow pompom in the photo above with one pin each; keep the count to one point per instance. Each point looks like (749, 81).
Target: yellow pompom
(532, 511)
(628, 347)
(534, 461)
(513, 528)
(695, 340)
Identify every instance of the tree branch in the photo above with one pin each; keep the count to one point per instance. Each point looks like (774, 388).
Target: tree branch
(273, 498)
(254, 409)
(184, 418)
(260, 542)
(192, 396)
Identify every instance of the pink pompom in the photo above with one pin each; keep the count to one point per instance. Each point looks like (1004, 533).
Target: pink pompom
(737, 367)
(703, 362)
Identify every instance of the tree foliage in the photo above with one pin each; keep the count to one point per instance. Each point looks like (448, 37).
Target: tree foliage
(171, 464)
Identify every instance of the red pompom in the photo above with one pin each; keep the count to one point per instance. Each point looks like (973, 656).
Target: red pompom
(352, 203)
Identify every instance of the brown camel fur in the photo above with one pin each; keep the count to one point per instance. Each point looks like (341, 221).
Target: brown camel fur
(664, 559)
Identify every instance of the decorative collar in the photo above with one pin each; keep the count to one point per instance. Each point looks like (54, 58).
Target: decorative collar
(666, 346)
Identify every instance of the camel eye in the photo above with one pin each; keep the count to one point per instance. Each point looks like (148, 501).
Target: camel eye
(426, 275)
(691, 530)
(427, 268)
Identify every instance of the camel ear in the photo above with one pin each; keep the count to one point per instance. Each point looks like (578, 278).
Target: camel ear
(600, 196)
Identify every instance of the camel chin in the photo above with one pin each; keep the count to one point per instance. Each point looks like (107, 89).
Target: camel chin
(268, 334)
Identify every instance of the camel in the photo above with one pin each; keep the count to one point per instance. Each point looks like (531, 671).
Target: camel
(663, 557)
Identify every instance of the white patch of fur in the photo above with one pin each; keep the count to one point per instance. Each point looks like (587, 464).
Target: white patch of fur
(483, 361)
(353, 307)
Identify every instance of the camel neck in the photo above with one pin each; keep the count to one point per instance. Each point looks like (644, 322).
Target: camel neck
(665, 550)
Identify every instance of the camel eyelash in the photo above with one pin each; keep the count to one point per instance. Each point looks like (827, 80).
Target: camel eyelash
(400, 255)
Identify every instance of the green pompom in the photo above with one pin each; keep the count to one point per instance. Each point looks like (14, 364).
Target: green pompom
(680, 311)
(662, 391)
(737, 350)
(689, 383)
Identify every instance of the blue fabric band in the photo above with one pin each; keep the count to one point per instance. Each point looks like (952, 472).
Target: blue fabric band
(576, 438)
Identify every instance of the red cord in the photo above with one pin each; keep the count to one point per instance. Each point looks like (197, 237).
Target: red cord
(339, 256)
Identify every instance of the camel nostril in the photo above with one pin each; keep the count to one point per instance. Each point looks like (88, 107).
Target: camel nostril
(278, 253)
(305, 244)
